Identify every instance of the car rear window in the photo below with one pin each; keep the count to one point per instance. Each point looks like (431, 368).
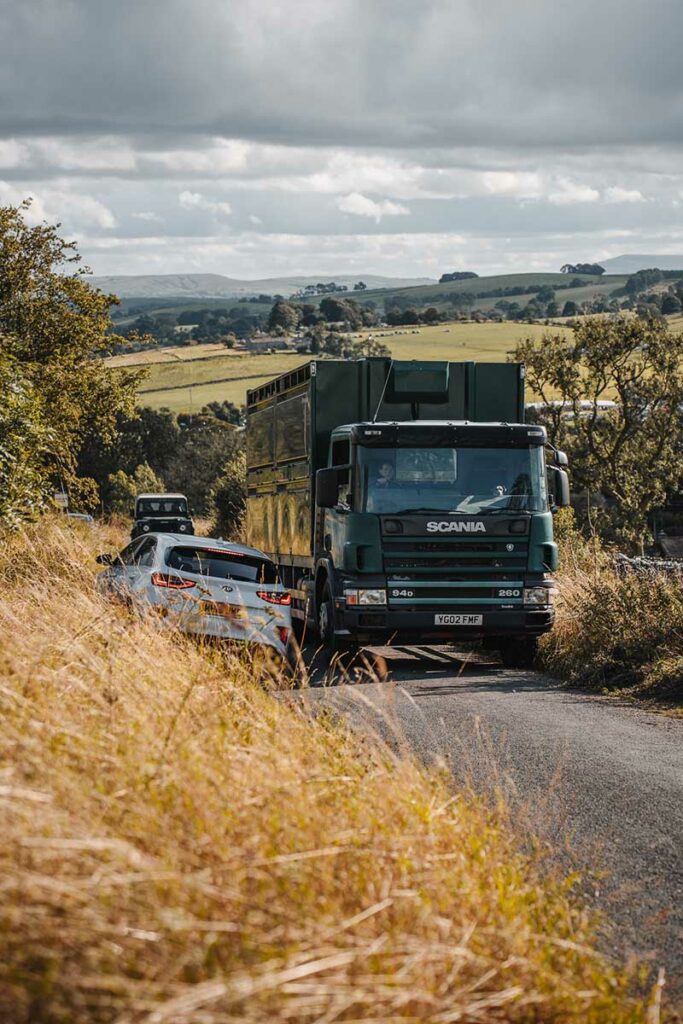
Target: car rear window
(222, 565)
(161, 507)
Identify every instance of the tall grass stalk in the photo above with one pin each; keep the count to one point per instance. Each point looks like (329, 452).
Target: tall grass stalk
(178, 845)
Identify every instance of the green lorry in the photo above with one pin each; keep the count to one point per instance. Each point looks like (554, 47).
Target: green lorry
(406, 502)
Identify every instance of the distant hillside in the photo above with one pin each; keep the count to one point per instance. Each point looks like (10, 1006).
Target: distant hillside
(631, 264)
(487, 290)
(216, 286)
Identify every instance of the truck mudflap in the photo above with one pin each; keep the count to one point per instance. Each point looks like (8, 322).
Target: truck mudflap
(442, 625)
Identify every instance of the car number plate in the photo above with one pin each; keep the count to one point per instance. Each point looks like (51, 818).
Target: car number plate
(223, 611)
(458, 620)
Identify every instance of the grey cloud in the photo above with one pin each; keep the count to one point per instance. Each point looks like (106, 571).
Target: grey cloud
(356, 72)
(347, 134)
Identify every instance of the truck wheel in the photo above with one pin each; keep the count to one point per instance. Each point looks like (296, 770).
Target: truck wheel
(325, 617)
(519, 652)
(337, 650)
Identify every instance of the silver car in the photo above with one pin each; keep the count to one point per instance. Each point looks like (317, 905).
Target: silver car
(208, 587)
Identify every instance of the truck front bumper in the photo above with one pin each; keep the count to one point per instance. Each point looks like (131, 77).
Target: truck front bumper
(390, 626)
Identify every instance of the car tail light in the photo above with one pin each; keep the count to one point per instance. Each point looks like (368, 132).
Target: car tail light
(163, 579)
(274, 596)
(284, 634)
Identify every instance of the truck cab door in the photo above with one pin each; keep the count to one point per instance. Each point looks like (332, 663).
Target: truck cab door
(335, 518)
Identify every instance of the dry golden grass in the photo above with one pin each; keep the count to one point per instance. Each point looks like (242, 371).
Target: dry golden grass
(179, 845)
(616, 631)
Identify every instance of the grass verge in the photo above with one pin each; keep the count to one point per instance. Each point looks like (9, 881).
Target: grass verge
(178, 845)
(616, 632)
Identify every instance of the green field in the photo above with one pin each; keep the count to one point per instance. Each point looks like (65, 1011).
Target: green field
(129, 309)
(170, 354)
(185, 386)
(422, 295)
(188, 385)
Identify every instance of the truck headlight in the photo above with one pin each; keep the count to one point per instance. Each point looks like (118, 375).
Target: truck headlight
(538, 596)
(365, 597)
(145, 528)
(182, 527)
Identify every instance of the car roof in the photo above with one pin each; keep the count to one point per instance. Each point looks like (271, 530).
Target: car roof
(164, 494)
(209, 542)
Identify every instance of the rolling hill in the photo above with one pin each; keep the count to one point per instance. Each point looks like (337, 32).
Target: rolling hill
(499, 284)
(631, 264)
(216, 286)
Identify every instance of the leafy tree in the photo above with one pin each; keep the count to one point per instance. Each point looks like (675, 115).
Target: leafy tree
(649, 309)
(406, 316)
(310, 315)
(206, 445)
(54, 329)
(150, 436)
(458, 275)
(25, 444)
(124, 488)
(283, 317)
(631, 453)
(582, 268)
(671, 304)
(366, 347)
(642, 280)
(226, 411)
(341, 311)
(229, 499)
(360, 286)
(570, 308)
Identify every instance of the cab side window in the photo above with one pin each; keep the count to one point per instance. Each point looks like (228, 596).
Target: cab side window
(144, 555)
(341, 456)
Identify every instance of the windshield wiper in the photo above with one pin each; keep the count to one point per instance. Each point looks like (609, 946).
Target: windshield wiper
(500, 511)
(432, 511)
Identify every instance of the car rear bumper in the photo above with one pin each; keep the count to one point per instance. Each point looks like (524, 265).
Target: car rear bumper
(240, 629)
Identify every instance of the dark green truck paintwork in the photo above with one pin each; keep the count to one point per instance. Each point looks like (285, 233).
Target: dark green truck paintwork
(321, 414)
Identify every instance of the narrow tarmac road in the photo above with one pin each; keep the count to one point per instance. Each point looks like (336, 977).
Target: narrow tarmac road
(598, 778)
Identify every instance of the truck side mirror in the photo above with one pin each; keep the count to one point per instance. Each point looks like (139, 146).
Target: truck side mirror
(558, 482)
(560, 458)
(326, 487)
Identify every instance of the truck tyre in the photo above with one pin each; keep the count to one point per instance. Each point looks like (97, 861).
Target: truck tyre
(519, 652)
(338, 652)
(325, 617)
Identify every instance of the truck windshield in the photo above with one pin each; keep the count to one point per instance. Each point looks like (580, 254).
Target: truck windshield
(465, 480)
(151, 507)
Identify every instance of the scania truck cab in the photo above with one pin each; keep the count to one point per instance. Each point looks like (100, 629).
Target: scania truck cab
(409, 529)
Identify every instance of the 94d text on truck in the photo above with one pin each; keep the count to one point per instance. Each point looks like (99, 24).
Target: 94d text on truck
(406, 502)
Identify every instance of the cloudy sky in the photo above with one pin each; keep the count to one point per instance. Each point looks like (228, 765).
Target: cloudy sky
(262, 137)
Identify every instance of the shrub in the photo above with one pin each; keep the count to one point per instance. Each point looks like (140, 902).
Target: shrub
(615, 631)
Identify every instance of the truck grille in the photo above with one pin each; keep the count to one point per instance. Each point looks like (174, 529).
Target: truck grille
(458, 559)
(438, 572)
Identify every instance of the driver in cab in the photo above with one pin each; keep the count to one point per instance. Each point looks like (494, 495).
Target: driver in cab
(386, 475)
(382, 479)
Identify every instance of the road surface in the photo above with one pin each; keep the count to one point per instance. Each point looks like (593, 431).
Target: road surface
(600, 779)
